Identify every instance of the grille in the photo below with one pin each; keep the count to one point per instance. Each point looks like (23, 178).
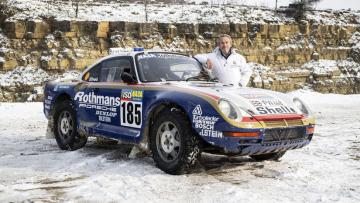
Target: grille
(284, 134)
(283, 123)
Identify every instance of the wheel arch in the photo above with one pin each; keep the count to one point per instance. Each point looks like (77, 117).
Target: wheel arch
(153, 113)
(62, 97)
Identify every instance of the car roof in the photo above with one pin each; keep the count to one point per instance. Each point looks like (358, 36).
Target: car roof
(123, 52)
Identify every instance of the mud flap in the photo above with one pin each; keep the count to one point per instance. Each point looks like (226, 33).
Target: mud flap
(139, 151)
(49, 132)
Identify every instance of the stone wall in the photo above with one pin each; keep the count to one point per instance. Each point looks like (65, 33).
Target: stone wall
(62, 45)
(75, 44)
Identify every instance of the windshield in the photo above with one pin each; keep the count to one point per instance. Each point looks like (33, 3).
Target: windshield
(157, 67)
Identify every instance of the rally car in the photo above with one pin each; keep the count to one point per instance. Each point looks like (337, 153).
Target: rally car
(166, 104)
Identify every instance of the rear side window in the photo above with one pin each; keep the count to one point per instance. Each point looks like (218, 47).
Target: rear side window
(110, 70)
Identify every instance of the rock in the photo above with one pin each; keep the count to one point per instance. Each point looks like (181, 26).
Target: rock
(102, 29)
(39, 29)
(15, 29)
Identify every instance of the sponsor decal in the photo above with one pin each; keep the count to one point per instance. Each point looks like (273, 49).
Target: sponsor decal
(105, 106)
(275, 110)
(92, 98)
(131, 108)
(64, 86)
(48, 102)
(205, 123)
(266, 104)
(86, 76)
(57, 87)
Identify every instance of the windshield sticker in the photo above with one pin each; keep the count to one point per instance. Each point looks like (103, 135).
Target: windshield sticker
(205, 124)
(131, 108)
(93, 79)
(160, 55)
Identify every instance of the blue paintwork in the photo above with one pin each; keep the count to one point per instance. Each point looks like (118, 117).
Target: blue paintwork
(88, 121)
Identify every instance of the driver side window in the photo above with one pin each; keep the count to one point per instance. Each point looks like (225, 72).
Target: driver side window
(110, 70)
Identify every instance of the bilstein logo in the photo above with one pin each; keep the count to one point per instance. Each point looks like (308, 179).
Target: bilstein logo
(92, 98)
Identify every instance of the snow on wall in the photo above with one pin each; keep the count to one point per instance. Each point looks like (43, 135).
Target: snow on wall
(168, 13)
(32, 76)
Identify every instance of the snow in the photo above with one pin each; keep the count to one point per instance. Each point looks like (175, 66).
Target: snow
(321, 66)
(112, 11)
(348, 68)
(324, 4)
(28, 75)
(355, 41)
(215, 13)
(33, 168)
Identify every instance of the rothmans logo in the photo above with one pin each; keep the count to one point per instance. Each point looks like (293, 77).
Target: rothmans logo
(92, 98)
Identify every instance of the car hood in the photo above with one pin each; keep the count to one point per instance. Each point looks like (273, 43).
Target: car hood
(252, 100)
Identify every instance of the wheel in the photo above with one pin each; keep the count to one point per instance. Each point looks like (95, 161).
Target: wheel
(65, 127)
(174, 144)
(271, 156)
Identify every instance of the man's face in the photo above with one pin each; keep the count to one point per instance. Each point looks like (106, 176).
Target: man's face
(225, 44)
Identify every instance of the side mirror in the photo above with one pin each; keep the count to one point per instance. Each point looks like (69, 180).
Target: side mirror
(127, 78)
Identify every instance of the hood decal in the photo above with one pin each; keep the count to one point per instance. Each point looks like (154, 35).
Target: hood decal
(266, 104)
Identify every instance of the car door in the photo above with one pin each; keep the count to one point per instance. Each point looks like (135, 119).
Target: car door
(118, 110)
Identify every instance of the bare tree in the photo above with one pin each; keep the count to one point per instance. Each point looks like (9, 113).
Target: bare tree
(299, 7)
(75, 4)
(146, 10)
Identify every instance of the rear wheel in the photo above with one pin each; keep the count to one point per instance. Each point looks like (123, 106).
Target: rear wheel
(174, 144)
(65, 128)
(271, 156)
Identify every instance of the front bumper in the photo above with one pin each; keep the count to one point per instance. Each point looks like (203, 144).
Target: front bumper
(269, 141)
(272, 147)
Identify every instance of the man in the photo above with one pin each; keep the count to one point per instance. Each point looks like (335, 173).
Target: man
(225, 64)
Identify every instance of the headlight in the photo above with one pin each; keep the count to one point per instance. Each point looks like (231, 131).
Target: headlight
(229, 110)
(301, 106)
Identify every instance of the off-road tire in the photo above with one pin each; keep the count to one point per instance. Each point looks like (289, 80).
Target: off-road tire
(189, 150)
(271, 156)
(71, 140)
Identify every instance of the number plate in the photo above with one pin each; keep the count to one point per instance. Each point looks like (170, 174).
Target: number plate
(131, 114)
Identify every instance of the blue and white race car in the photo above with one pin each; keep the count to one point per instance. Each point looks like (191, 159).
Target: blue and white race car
(165, 104)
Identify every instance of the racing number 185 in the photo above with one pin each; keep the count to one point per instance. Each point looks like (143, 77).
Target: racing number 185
(131, 113)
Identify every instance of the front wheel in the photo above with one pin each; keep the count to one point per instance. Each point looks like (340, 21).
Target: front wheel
(174, 144)
(65, 127)
(271, 156)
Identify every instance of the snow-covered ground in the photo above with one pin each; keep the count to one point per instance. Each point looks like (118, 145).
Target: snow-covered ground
(328, 170)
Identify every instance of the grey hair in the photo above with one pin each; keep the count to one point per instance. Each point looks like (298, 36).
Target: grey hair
(222, 36)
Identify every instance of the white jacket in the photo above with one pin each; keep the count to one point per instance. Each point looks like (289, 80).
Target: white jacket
(232, 70)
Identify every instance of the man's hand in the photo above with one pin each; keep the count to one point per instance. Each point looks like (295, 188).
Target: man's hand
(209, 64)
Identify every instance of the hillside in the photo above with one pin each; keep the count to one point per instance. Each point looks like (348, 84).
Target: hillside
(45, 40)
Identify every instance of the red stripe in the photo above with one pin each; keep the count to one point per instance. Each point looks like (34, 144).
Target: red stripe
(272, 117)
(279, 117)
